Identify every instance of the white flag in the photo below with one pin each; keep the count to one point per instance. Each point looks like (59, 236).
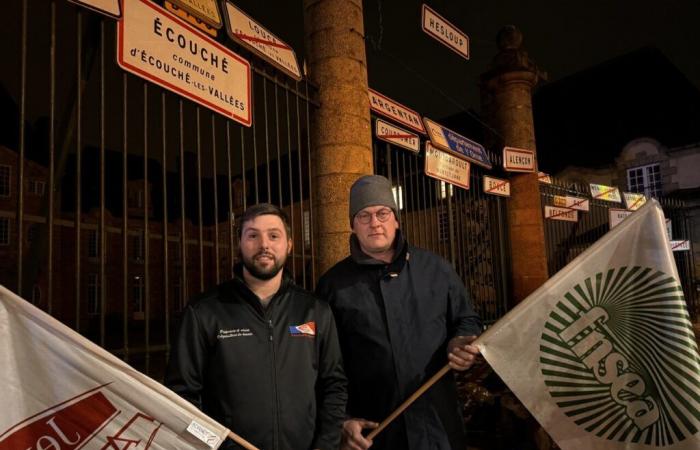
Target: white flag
(60, 391)
(603, 354)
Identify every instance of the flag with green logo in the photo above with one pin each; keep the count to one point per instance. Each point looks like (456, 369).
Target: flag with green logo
(603, 354)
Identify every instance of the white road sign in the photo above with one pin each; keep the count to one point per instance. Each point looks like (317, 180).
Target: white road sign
(387, 107)
(397, 136)
(565, 214)
(442, 30)
(680, 246)
(446, 167)
(607, 193)
(496, 186)
(544, 178)
(577, 203)
(633, 200)
(616, 216)
(108, 7)
(519, 160)
(206, 10)
(250, 34)
(162, 48)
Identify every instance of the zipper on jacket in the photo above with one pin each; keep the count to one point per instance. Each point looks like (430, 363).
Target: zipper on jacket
(276, 426)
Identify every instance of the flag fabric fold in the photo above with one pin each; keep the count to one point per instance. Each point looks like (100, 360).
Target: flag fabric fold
(603, 354)
(59, 390)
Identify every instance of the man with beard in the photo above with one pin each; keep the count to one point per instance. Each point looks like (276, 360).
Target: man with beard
(259, 354)
(402, 313)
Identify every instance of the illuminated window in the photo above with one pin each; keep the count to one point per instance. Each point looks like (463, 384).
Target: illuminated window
(645, 180)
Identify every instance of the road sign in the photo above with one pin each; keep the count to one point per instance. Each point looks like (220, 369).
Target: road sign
(442, 30)
(544, 178)
(243, 29)
(680, 246)
(577, 203)
(446, 139)
(196, 21)
(519, 160)
(634, 201)
(381, 104)
(565, 214)
(616, 216)
(669, 229)
(446, 167)
(397, 136)
(496, 186)
(607, 193)
(160, 47)
(107, 7)
(206, 10)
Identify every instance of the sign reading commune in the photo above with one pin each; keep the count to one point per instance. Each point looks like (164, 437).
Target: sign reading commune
(160, 47)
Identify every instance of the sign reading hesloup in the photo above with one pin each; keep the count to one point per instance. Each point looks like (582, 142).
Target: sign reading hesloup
(250, 34)
(446, 139)
(160, 47)
(397, 136)
(442, 30)
(387, 107)
(445, 167)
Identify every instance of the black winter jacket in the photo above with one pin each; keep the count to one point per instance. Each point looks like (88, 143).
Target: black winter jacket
(394, 322)
(274, 382)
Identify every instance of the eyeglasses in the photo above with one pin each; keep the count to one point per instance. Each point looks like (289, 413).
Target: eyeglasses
(365, 217)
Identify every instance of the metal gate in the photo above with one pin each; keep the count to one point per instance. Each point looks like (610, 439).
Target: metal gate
(466, 227)
(118, 199)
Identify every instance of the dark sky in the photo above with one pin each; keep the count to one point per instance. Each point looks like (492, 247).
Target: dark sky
(562, 36)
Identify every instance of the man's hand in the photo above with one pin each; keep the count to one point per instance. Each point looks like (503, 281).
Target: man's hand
(352, 438)
(460, 353)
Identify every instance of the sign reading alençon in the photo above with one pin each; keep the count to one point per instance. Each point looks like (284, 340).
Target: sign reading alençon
(160, 47)
(519, 160)
(250, 34)
(387, 107)
(442, 30)
(446, 167)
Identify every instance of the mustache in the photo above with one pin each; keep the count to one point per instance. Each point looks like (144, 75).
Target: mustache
(265, 254)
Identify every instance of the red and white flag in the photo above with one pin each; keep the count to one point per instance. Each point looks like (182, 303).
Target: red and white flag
(60, 391)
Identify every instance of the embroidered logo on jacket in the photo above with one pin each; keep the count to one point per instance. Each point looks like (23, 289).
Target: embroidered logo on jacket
(307, 329)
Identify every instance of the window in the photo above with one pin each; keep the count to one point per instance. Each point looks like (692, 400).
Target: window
(93, 294)
(5, 180)
(93, 248)
(36, 187)
(4, 231)
(137, 293)
(645, 180)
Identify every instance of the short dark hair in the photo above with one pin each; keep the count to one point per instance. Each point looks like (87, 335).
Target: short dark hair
(264, 209)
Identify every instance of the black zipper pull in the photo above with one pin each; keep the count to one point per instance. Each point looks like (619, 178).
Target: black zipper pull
(269, 324)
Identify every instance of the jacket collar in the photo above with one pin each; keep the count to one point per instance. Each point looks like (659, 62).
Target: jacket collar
(238, 286)
(400, 255)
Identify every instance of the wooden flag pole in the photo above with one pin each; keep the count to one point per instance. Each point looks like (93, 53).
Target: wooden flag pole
(397, 412)
(242, 442)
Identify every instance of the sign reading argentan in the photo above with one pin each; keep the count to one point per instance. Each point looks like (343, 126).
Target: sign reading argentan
(387, 107)
(157, 46)
(446, 139)
(442, 30)
(445, 167)
(397, 136)
(250, 34)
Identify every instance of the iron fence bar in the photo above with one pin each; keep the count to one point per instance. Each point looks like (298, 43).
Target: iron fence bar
(146, 293)
(22, 145)
(52, 154)
(295, 91)
(125, 218)
(255, 142)
(78, 151)
(426, 223)
(200, 224)
(290, 174)
(279, 156)
(183, 228)
(166, 259)
(229, 214)
(102, 240)
(267, 143)
(243, 171)
(216, 199)
(301, 191)
(311, 190)
(403, 194)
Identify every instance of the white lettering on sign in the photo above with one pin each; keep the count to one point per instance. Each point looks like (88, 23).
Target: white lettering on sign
(579, 204)
(566, 214)
(518, 160)
(446, 167)
(607, 193)
(496, 186)
(616, 216)
(389, 108)
(250, 34)
(160, 47)
(443, 31)
(397, 136)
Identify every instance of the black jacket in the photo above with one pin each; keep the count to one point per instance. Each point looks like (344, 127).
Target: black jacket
(257, 372)
(394, 322)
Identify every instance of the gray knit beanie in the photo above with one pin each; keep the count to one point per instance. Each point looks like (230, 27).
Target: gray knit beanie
(371, 190)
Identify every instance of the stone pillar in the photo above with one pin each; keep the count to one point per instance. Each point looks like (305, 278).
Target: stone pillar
(506, 90)
(340, 128)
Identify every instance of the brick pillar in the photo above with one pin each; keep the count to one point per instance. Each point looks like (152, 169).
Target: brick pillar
(340, 128)
(507, 103)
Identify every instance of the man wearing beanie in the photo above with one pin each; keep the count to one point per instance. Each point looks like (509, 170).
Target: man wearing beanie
(402, 313)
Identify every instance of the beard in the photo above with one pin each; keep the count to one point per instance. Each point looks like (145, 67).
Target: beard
(261, 272)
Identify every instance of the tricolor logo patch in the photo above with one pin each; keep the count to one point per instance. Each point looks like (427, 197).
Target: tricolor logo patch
(305, 329)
